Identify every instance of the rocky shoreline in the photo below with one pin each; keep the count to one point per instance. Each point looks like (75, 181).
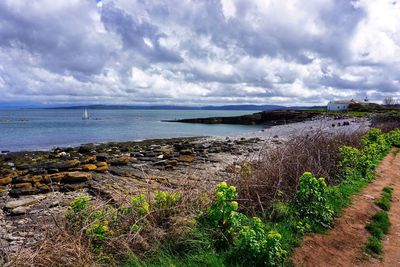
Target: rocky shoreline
(36, 187)
(268, 118)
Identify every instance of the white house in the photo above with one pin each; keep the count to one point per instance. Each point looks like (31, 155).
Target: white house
(339, 105)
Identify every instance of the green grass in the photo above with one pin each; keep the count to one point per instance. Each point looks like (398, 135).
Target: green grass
(190, 260)
(380, 224)
(381, 219)
(384, 202)
(340, 195)
(374, 246)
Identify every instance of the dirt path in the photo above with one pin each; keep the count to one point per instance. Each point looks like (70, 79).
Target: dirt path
(342, 246)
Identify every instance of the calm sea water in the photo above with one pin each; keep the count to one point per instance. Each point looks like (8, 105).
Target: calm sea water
(42, 129)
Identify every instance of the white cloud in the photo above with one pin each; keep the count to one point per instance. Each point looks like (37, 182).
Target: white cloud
(198, 52)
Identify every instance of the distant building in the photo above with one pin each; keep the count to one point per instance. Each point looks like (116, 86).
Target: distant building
(339, 105)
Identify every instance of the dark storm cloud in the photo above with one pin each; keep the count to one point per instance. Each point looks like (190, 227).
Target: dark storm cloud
(213, 51)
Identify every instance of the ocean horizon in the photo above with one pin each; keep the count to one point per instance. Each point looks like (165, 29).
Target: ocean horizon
(44, 129)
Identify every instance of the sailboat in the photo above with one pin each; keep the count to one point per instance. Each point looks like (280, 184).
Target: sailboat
(85, 115)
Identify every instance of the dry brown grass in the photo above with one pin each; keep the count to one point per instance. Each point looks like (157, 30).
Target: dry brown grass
(57, 248)
(386, 122)
(276, 174)
(67, 244)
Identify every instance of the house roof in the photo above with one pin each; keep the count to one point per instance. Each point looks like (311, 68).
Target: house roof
(343, 102)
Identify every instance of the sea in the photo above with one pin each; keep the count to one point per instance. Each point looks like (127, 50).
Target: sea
(44, 129)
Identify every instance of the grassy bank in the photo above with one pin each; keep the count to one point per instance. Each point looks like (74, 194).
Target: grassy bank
(257, 218)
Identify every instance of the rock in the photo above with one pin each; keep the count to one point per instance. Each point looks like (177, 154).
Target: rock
(102, 164)
(150, 154)
(137, 155)
(23, 185)
(159, 163)
(160, 156)
(90, 159)
(73, 163)
(23, 191)
(23, 202)
(102, 169)
(148, 159)
(89, 167)
(86, 148)
(2, 189)
(5, 181)
(51, 171)
(171, 162)
(54, 178)
(73, 187)
(153, 147)
(76, 177)
(186, 151)
(167, 151)
(19, 211)
(28, 179)
(186, 158)
(119, 161)
(102, 157)
(44, 188)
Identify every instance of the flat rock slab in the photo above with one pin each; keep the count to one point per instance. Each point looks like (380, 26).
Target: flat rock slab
(23, 202)
(77, 177)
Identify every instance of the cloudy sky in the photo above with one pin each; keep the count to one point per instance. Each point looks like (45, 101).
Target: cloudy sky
(291, 52)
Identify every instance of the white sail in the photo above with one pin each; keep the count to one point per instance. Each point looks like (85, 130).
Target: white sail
(85, 115)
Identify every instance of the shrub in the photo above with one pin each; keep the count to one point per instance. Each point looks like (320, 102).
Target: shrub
(349, 162)
(311, 201)
(249, 238)
(165, 200)
(223, 212)
(98, 223)
(259, 246)
(280, 166)
(78, 212)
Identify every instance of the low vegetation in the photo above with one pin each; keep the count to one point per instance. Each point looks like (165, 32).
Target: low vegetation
(257, 219)
(380, 224)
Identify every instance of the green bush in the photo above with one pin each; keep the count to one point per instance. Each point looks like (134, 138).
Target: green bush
(165, 200)
(98, 223)
(78, 212)
(360, 163)
(311, 201)
(250, 240)
(257, 245)
(349, 163)
(393, 137)
(223, 212)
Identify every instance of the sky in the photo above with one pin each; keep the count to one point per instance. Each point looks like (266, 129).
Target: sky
(198, 52)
